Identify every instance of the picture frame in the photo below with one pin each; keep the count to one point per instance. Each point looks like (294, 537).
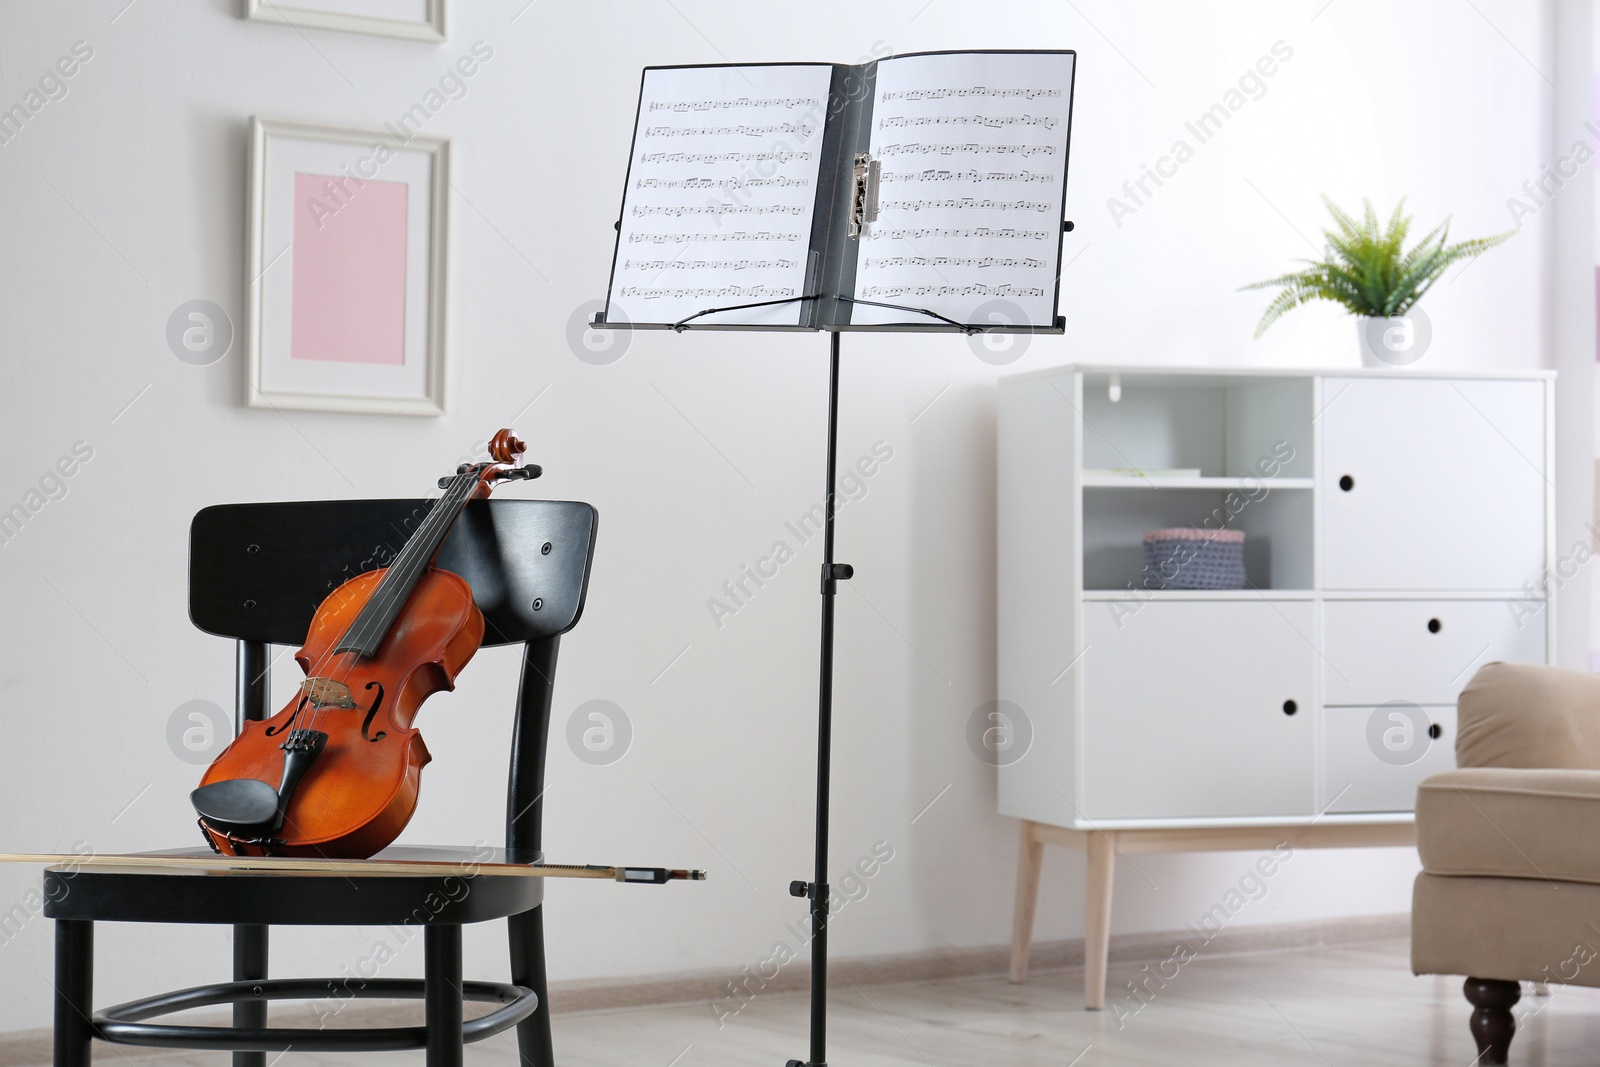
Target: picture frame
(347, 269)
(355, 16)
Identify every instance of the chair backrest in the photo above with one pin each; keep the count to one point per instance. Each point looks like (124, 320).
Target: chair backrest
(257, 573)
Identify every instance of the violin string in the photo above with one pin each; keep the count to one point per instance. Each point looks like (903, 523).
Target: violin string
(399, 576)
(403, 573)
(390, 586)
(319, 712)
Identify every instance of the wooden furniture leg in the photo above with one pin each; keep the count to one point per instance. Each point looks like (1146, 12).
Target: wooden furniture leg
(1102, 855)
(1030, 860)
(1103, 846)
(1492, 1022)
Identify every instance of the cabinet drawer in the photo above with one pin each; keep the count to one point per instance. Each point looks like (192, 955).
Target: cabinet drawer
(1374, 757)
(1424, 651)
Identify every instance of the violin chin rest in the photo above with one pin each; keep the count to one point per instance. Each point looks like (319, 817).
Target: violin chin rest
(238, 803)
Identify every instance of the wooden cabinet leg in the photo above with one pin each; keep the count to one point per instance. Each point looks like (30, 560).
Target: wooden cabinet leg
(1102, 855)
(1030, 858)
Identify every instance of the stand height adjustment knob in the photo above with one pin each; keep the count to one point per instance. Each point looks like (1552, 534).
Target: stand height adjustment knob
(799, 888)
(833, 573)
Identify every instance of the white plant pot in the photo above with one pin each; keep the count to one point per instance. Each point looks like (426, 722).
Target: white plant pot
(1396, 341)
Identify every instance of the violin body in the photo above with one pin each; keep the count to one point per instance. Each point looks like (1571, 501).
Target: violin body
(361, 790)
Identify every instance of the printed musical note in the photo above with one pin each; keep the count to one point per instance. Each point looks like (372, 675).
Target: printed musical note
(688, 238)
(717, 210)
(774, 155)
(712, 292)
(890, 177)
(710, 264)
(743, 102)
(915, 233)
(972, 149)
(978, 91)
(798, 129)
(1007, 289)
(722, 183)
(981, 262)
(965, 203)
(992, 121)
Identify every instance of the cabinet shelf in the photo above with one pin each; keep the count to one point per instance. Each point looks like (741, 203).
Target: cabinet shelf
(1127, 481)
(1198, 594)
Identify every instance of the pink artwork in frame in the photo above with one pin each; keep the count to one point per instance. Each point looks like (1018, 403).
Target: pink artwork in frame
(349, 290)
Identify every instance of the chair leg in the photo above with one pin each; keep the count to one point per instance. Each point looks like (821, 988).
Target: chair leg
(441, 980)
(74, 991)
(1030, 859)
(527, 969)
(249, 964)
(1492, 1022)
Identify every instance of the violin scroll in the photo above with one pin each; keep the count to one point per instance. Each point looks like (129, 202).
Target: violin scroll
(506, 447)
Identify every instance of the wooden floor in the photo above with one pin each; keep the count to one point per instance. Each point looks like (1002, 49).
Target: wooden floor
(1353, 1005)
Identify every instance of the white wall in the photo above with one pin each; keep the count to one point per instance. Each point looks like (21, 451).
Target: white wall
(126, 199)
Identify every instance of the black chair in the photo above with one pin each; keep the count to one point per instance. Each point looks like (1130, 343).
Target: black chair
(256, 574)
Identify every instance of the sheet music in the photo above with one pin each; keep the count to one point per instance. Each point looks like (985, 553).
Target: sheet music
(973, 154)
(721, 192)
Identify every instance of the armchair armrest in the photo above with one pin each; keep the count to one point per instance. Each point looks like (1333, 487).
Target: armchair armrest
(1505, 822)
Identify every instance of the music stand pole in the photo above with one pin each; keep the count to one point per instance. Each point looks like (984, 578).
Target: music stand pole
(817, 889)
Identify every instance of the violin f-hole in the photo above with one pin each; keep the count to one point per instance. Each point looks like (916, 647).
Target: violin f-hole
(272, 730)
(373, 711)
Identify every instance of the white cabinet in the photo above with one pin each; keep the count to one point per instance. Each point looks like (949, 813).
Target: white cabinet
(1432, 483)
(1392, 520)
(1199, 707)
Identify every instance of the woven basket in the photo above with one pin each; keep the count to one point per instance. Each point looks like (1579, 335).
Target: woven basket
(1185, 558)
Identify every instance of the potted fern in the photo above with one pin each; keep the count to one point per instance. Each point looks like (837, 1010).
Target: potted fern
(1368, 271)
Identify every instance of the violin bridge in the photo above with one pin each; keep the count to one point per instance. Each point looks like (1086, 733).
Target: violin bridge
(327, 693)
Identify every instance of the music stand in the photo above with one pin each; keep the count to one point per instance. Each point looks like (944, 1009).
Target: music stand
(848, 177)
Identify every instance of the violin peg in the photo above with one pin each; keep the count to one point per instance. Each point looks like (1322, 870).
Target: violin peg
(525, 472)
(506, 447)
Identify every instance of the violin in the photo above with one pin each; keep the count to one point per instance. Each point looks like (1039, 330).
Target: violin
(336, 772)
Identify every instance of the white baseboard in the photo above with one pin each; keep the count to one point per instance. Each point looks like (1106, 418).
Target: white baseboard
(29, 1048)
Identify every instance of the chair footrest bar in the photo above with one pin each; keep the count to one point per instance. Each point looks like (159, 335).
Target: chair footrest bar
(123, 1024)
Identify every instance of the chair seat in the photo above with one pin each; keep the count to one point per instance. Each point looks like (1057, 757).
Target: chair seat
(1504, 822)
(454, 893)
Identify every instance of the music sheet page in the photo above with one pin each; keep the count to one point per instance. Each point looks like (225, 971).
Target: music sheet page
(973, 153)
(721, 191)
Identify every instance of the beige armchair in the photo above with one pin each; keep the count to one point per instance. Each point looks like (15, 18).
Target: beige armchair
(1510, 845)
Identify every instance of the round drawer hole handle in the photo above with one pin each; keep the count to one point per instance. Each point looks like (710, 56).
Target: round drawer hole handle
(1435, 731)
(1347, 483)
(1290, 707)
(1434, 626)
